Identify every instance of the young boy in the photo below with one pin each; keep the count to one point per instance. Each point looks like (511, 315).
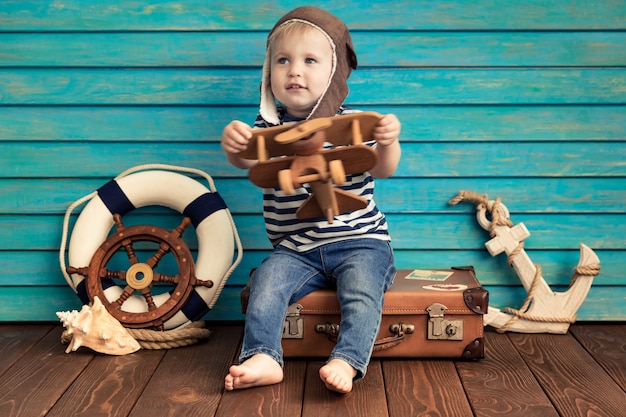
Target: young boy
(309, 59)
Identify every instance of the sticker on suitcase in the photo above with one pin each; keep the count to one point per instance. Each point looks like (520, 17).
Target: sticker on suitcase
(429, 275)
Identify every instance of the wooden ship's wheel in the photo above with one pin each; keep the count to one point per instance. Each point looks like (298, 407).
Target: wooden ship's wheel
(140, 277)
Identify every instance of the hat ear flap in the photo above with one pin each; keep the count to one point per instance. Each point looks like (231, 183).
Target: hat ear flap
(352, 61)
(268, 110)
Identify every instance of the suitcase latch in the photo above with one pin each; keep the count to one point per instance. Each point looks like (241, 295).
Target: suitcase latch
(439, 328)
(294, 324)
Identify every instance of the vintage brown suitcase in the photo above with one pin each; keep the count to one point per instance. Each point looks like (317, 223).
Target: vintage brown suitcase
(434, 313)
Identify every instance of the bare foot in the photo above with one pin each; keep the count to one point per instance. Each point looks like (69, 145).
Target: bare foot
(338, 375)
(258, 370)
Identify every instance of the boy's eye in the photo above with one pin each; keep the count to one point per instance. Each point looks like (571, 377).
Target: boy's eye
(310, 60)
(282, 60)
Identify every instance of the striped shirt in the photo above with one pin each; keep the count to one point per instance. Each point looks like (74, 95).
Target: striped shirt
(284, 228)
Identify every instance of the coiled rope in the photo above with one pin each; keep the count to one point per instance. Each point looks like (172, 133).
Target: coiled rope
(185, 335)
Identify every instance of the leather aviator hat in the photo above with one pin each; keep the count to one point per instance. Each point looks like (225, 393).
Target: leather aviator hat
(344, 61)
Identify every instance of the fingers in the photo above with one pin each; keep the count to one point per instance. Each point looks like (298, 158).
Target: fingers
(387, 130)
(235, 136)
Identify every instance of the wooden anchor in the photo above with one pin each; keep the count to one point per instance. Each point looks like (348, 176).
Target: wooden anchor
(544, 310)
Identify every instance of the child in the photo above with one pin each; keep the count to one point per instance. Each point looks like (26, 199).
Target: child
(309, 58)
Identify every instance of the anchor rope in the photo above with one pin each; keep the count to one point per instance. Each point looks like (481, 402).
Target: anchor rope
(585, 270)
(521, 313)
(482, 202)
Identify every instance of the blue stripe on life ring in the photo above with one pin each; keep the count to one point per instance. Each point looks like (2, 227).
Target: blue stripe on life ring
(114, 198)
(195, 307)
(203, 206)
(81, 289)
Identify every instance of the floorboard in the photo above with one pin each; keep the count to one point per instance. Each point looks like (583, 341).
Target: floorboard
(40, 377)
(108, 385)
(582, 373)
(573, 380)
(424, 388)
(502, 384)
(607, 345)
(367, 397)
(190, 380)
(17, 339)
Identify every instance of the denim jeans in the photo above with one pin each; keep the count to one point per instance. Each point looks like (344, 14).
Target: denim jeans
(361, 270)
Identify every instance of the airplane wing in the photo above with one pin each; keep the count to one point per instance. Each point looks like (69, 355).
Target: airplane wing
(265, 174)
(355, 159)
(338, 131)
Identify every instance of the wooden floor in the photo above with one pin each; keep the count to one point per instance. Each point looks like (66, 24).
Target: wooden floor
(582, 373)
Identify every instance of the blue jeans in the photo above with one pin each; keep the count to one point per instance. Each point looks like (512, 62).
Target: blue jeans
(361, 270)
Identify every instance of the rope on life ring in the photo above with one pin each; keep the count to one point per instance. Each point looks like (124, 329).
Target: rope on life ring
(156, 184)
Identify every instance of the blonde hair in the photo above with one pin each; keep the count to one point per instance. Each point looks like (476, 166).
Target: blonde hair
(288, 29)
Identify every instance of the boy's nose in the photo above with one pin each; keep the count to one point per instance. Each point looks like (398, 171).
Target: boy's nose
(295, 71)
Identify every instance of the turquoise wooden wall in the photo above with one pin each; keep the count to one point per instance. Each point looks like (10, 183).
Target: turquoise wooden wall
(520, 100)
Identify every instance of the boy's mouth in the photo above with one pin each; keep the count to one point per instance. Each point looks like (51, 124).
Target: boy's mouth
(295, 87)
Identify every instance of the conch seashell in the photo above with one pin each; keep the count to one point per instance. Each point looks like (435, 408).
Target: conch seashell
(96, 329)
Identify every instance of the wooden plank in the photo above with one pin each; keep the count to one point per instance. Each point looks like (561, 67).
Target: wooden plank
(56, 195)
(502, 384)
(408, 231)
(240, 86)
(607, 344)
(33, 268)
(283, 399)
(16, 340)
(113, 384)
(36, 382)
(379, 49)
(519, 194)
(36, 303)
(424, 388)
(602, 303)
(419, 123)
(572, 379)
(367, 396)
(425, 160)
(190, 380)
(393, 195)
(16, 15)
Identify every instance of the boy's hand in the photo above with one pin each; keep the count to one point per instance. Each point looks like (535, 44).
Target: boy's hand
(235, 137)
(386, 135)
(387, 130)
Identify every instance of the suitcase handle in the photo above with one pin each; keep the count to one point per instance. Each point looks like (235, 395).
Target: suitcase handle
(399, 331)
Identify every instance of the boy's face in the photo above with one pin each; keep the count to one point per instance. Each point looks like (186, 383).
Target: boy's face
(300, 69)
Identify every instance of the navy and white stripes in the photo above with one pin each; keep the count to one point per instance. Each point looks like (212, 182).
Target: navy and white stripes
(284, 228)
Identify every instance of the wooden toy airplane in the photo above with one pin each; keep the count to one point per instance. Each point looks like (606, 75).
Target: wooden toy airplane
(291, 155)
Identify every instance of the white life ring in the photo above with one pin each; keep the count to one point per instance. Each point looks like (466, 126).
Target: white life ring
(208, 213)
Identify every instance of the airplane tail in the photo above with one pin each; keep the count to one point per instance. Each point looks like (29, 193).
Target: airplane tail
(336, 202)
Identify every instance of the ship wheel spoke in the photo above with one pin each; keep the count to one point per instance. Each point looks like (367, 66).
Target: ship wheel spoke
(126, 243)
(201, 283)
(165, 248)
(108, 274)
(128, 291)
(168, 279)
(154, 260)
(147, 294)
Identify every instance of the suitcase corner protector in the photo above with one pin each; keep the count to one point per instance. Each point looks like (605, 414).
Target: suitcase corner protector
(475, 350)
